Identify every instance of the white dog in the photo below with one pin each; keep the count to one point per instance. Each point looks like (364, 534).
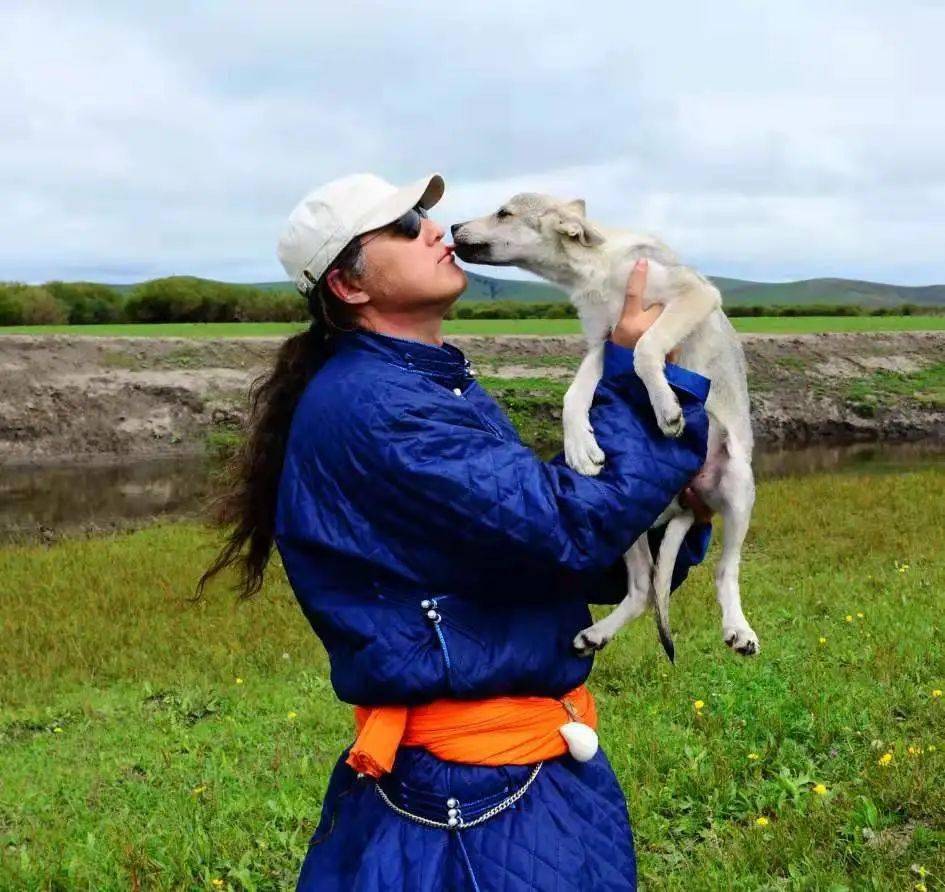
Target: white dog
(555, 240)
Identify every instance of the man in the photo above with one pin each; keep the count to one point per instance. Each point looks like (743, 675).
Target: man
(447, 569)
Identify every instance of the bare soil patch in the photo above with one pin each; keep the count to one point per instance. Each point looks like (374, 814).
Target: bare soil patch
(65, 397)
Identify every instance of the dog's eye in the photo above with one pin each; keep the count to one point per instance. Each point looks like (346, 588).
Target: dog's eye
(502, 213)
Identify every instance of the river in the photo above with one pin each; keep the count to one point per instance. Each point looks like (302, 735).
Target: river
(48, 500)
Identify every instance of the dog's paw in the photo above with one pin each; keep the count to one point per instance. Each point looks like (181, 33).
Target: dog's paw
(590, 640)
(582, 453)
(670, 419)
(742, 640)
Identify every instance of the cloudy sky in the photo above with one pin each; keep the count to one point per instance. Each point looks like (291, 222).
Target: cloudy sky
(761, 140)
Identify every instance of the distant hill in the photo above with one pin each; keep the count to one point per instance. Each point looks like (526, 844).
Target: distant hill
(735, 292)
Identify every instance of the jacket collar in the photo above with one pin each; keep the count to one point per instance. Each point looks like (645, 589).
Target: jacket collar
(446, 361)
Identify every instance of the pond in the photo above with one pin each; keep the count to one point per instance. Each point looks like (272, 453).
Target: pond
(60, 499)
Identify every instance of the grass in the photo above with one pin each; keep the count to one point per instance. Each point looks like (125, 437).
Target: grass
(149, 743)
(926, 386)
(759, 324)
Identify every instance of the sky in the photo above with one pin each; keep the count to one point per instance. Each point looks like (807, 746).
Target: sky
(760, 140)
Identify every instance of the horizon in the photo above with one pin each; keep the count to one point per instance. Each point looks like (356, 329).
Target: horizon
(511, 279)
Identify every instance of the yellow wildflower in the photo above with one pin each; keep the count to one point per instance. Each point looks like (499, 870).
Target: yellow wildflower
(698, 704)
(239, 680)
(753, 756)
(823, 640)
(820, 789)
(860, 615)
(920, 887)
(931, 747)
(196, 791)
(937, 693)
(762, 821)
(57, 730)
(849, 617)
(292, 715)
(885, 759)
(218, 883)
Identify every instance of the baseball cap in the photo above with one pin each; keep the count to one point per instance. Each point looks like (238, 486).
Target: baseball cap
(323, 222)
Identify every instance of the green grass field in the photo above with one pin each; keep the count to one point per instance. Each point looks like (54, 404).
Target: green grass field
(761, 324)
(148, 743)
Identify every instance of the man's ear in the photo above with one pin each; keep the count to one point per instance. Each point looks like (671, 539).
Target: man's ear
(579, 229)
(344, 290)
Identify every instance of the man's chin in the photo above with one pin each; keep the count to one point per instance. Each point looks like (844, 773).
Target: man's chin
(462, 280)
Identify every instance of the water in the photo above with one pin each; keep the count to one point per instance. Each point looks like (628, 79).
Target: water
(44, 501)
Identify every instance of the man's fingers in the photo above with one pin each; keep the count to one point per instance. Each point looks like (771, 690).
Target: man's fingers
(636, 285)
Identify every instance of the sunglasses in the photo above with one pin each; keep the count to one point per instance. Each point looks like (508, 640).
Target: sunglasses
(408, 224)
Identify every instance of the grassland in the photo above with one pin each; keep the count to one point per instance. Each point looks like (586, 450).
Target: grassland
(150, 743)
(758, 324)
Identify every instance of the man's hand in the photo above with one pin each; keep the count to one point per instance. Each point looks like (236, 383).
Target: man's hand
(690, 499)
(634, 320)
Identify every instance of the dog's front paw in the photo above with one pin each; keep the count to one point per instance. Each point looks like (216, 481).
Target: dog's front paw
(590, 640)
(582, 453)
(741, 639)
(670, 418)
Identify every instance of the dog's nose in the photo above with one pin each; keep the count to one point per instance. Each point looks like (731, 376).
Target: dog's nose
(456, 228)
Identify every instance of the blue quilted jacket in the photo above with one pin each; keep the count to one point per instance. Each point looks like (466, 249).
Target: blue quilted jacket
(437, 556)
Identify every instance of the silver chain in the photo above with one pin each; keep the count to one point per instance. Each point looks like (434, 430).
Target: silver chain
(463, 825)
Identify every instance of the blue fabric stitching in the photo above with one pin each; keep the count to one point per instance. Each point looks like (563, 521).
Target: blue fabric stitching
(446, 655)
(472, 875)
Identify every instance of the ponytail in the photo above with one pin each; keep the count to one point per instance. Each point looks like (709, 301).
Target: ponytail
(247, 502)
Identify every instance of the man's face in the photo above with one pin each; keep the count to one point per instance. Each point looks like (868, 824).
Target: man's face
(402, 274)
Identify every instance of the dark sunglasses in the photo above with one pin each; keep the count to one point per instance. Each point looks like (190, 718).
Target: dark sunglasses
(408, 224)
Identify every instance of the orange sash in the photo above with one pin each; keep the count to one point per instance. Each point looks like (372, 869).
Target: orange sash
(496, 731)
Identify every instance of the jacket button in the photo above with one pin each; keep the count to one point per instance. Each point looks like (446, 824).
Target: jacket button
(457, 391)
(452, 822)
(425, 604)
(451, 802)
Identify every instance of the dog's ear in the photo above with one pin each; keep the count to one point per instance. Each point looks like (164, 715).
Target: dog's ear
(576, 207)
(578, 228)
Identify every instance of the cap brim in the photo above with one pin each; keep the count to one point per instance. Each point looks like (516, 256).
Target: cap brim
(426, 192)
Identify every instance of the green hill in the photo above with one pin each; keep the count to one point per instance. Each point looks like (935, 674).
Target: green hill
(735, 292)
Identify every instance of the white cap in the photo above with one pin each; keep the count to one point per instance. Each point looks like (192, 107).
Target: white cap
(323, 222)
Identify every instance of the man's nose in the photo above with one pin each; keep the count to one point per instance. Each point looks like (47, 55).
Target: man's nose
(436, 229)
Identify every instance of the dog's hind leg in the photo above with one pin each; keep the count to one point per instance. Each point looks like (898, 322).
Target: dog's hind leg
(639, 594)
(676, 531)
(737, 496)
(692, 300)
(581, 451)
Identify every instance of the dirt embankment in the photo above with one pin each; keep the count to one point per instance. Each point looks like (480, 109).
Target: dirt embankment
(65, 397)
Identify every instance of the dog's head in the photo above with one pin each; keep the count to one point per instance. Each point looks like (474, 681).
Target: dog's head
(536, 232)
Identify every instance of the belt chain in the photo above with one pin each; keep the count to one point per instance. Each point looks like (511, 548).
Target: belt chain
(460, 824)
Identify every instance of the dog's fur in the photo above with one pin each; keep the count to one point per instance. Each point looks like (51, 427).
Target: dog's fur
(555, 240)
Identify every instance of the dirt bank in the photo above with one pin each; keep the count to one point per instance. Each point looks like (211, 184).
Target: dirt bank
(64, 397)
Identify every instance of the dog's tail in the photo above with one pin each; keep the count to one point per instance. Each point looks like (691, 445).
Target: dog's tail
(676, 531)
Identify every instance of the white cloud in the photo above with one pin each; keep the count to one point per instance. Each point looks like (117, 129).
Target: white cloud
(764, 141)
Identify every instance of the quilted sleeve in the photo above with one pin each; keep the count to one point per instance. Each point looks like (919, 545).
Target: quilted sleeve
(446, 501)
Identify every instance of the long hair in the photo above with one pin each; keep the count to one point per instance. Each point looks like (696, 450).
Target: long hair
(247, 502)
